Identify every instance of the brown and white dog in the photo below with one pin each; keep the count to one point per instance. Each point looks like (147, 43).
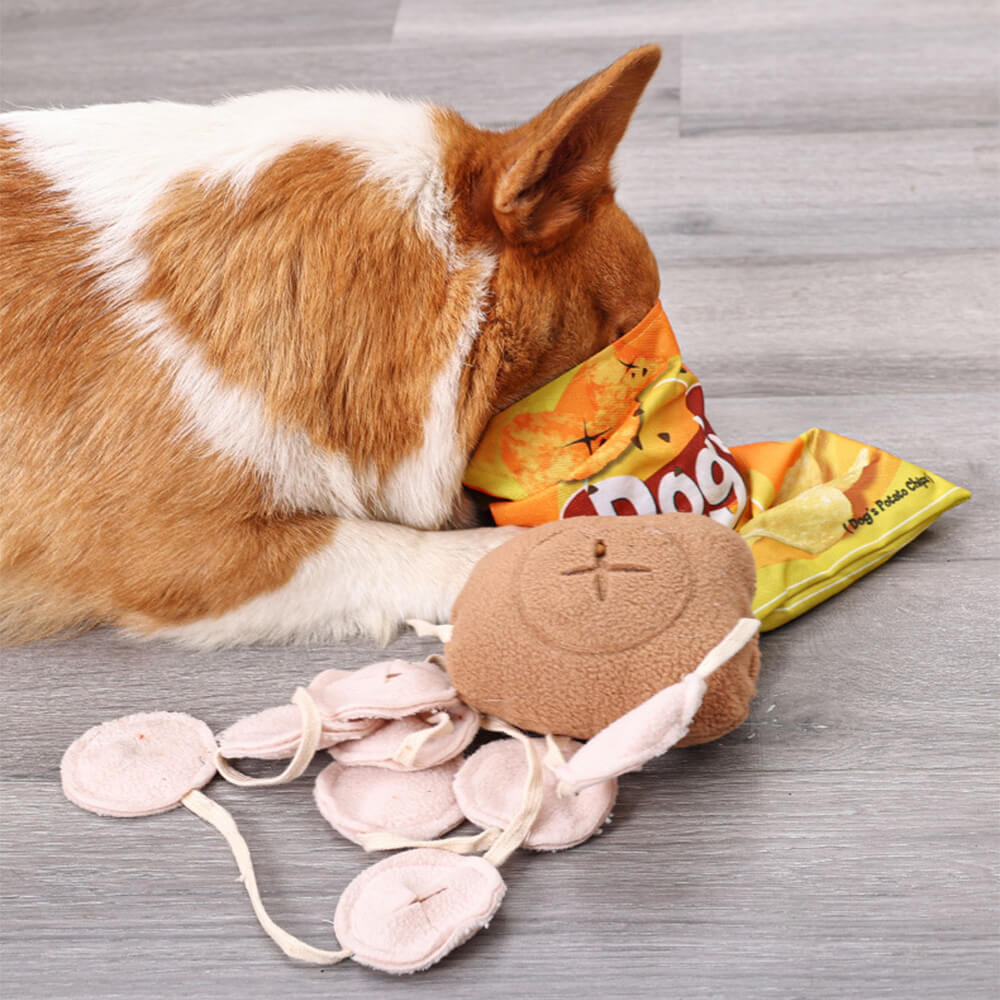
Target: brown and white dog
(247, 349)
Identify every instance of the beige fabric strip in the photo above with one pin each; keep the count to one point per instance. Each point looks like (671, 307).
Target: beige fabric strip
(531, 803)
(312, 729)
(214, 814)
(406, 753)
(382, 841)
(554, 756)
(424, 628)
(734, 640)
(499, 844)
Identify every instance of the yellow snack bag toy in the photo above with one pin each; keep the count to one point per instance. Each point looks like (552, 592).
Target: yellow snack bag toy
(625, 433)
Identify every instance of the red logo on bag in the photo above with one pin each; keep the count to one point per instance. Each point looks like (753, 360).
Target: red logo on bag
(702, 479)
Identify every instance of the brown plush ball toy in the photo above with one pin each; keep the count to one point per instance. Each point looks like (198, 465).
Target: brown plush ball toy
(572, 624)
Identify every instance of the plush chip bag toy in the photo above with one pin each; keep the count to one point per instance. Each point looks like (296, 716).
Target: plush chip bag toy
(625, 433)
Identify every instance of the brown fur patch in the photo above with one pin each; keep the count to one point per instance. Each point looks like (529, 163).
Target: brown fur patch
(106, 514)
(315, 290)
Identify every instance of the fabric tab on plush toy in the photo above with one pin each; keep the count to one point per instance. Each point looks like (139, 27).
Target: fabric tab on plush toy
(649, 729)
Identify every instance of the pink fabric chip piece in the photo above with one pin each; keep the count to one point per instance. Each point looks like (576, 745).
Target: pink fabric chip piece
(418, 805)
(379, 749)
(325, 678)
(337, 729)
(490, 786)
(269, 735)
(389, 690)
(138, 765)
(407, 912)
(275, 733)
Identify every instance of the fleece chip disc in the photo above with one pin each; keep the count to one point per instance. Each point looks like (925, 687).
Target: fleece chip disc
(389, 690)
(276, 733)
(385, 746)
(408, 911)
(419, 805)
(489, 791)
(138, 765)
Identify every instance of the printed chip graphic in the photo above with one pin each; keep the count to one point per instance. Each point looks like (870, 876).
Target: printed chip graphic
(811, 520)
(574, 428)
(803, 475)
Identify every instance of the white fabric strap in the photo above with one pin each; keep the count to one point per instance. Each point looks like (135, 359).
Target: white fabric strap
(383, 841)
(531, 802)
(737, 637)
(425, 628)
(312, 730)
(214, 814)
(554, 757)
(498, 844)
(649, 729)
(406, 753)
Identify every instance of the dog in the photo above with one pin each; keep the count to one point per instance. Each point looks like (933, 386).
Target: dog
(248, 348)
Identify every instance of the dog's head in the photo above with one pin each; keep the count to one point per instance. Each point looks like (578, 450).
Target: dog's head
(573, 272)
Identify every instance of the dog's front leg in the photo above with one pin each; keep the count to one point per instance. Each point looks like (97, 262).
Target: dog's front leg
(367, 580)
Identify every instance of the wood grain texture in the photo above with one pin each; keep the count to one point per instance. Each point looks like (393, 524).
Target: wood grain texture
(192, 25)
(819, 182)
(517, 19)
(850, 78)
(434, 71)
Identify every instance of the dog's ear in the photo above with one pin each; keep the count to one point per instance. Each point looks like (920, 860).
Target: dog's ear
(553, 167)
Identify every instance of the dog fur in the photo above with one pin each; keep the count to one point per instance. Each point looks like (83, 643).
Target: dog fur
(248, 348)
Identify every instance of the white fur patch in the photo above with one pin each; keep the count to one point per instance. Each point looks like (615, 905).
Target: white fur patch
(114, 163)
(422, 489)
(232, 421)
(370, 577)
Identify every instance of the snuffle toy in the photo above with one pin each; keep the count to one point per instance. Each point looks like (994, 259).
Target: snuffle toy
(634, 634)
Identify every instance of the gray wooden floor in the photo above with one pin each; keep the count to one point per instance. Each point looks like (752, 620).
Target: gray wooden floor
(819, 182)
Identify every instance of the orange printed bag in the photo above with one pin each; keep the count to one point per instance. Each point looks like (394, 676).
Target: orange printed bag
(625, 432)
